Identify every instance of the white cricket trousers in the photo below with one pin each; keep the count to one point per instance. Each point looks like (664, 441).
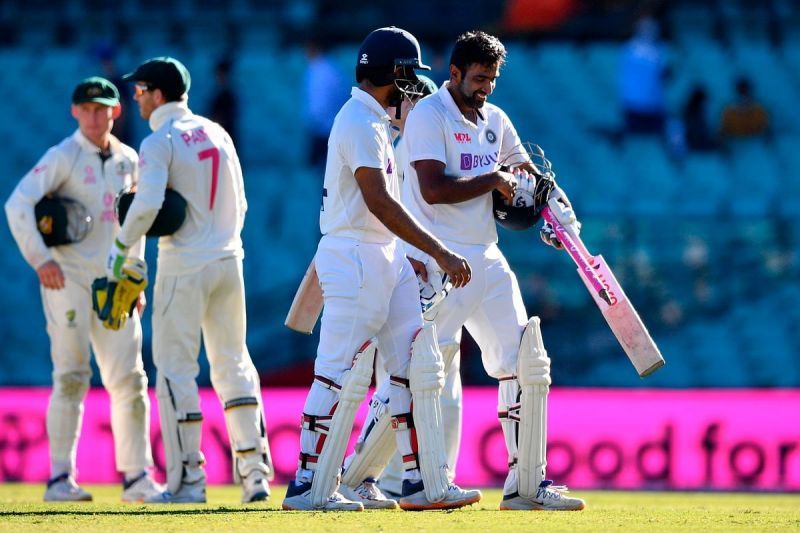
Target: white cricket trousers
(73, 326)
(490, 307)
(210, 301)
(369, 290)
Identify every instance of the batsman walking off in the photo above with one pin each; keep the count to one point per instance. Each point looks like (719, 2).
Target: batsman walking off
(456, 143)
(199, 285)
(87, 169)
(372, 302)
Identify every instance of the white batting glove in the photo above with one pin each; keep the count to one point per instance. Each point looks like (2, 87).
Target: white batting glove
(525, 180)
(116, 260)
(434, 291)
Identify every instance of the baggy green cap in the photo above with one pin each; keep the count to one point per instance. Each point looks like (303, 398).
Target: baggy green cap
(165, 73)
(96, 89)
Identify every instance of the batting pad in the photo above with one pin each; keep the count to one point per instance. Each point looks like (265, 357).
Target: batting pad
(534, 379)
(355, 383)
(249, 447)
(375, 446)
(180, 432)
(426, 376)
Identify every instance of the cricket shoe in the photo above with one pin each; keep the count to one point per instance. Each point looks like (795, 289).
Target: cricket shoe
(549, 497)
(254, 487)
(368, 494)
(144, 489)
(298, 498)
(64, 489)
(194, 492)
(414, 498)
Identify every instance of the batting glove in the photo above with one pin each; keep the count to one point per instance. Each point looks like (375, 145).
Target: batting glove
(525, 181)
(116, 260)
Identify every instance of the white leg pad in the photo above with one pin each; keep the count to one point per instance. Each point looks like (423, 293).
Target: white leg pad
(426, 377)
(452, 397)
(355, 384)
(249, 446)
(64, 417)
(534, 379)
(181, 433)
(375, 445)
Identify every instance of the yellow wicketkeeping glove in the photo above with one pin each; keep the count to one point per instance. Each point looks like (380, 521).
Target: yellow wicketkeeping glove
(115, 301)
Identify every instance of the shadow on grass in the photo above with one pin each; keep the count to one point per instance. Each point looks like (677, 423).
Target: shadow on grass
(139, 512)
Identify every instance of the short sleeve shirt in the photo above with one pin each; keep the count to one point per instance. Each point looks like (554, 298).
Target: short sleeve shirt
(360, 137)
(437, 130)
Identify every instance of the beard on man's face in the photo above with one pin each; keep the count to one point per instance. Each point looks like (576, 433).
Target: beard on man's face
(471, 100)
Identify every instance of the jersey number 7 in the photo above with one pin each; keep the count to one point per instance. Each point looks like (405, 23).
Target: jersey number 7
(213, 154)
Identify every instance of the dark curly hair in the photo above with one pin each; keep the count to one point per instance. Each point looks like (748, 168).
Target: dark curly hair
(477, 47)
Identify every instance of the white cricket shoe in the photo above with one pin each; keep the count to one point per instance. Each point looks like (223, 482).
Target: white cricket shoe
(64, 489)
(549, 497)
(414, 498)
(144, 489)
(298, 498)
(254, 487)
(369, 495)
(194, 492)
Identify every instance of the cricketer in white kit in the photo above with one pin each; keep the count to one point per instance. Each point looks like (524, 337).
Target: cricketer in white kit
(457, 142)
(91, 167)
(391, 479)
(199, 285)
(372, 301)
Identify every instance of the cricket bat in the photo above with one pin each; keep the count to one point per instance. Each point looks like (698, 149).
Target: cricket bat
(307, 304)
(615, 306)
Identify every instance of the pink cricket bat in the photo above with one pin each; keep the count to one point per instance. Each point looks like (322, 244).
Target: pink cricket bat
(611, 299)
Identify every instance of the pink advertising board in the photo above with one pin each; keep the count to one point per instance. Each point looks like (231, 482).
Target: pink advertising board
(598, 438)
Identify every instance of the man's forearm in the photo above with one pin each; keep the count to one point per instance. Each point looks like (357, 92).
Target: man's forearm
(395, 217)
(453, 190)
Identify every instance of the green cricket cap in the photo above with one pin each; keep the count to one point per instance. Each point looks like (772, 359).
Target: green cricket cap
(96, 89)
(165, 73)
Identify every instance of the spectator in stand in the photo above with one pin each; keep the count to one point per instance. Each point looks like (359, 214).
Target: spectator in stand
(224, 106)
(123, 125)
(698, 135)
(745, 117)
(643, 72)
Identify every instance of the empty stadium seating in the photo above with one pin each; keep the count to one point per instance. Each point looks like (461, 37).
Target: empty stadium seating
(643, 205)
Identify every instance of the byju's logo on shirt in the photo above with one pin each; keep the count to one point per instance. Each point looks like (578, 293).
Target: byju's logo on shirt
(471, 161)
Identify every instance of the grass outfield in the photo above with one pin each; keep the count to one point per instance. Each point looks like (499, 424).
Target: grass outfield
(21, 509)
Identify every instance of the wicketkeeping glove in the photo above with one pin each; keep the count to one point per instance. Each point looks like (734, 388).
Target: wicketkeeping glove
(115, 301)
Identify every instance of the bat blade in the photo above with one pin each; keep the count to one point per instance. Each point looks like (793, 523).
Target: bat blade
(623, 319)
(307, 304)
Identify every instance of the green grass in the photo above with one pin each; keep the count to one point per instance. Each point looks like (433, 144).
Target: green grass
(21, 509)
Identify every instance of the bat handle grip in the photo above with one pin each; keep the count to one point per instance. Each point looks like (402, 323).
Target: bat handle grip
(578, 252)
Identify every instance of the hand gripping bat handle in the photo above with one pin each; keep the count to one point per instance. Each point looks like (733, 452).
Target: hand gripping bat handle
(578, 252)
